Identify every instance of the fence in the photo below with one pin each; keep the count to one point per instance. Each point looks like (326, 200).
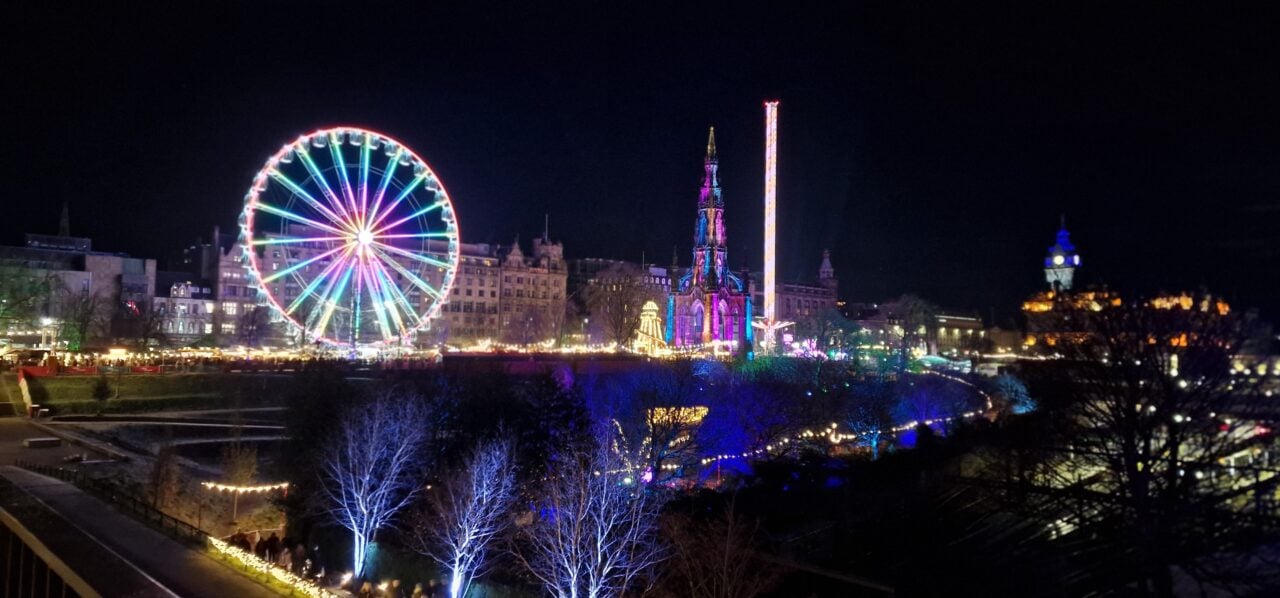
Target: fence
(112, 494)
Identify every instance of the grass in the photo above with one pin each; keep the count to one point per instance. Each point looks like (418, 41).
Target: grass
(65, 395)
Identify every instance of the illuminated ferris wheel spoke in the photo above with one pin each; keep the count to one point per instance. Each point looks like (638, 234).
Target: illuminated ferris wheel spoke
(383, 306)
(306, 197)
(421, 212)
(398, 294)
(415, 236)
(409, 254)
(325, 188)
(335, 150)
(365, 149)
(289, 240)
(286, 214)
(413, 278)
(386, 180)
(386, 287)
(332, 304)
(376, 296)
(408, 190)
(304, 263)
(325, 276)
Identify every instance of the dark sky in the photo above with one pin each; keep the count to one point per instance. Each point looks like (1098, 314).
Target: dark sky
(933, 149)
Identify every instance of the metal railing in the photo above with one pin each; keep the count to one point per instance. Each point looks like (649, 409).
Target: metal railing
(113, 494)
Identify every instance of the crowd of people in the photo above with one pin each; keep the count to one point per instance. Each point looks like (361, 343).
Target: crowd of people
(394, 589)
(287, 553)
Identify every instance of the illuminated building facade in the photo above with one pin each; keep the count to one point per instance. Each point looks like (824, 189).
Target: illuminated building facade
(186, 307)
(221, 262)
(709, 304)
(123, 286)
(796, 301)
(500, 293)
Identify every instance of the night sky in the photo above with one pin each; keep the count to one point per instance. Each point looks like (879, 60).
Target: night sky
(932, 150)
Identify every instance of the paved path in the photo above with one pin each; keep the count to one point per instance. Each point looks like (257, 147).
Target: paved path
(13, 430)
(179, 568)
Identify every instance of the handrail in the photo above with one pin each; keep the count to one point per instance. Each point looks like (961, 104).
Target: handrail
(112, 493)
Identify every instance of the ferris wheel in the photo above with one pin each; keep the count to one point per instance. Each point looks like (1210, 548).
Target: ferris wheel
(350, 238)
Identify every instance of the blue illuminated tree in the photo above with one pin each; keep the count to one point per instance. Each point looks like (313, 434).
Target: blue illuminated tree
(370, 468)
(595, 532)
(466, 514)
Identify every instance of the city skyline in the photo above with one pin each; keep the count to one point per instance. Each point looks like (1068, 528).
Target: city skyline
(926, 171)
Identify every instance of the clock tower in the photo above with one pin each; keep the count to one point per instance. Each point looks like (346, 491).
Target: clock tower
(1061, 263)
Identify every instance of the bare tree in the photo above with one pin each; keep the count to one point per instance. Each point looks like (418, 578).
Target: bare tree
(144, 323)
(917, 319)
(239, 467)
(466, 514)
(84, 317)
(165, 477)
(869, 416)
(23, 293)
(1165, 454)
(594, 534)
(715, 559)
(827, 326)
(255, 325)
(369, 468)
(615, 297)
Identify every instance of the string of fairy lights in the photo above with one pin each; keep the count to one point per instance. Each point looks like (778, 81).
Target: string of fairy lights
(251, 562)
(829, 433)
(257, 489)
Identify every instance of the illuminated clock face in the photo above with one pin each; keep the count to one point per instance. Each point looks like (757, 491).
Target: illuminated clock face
(1058, 260)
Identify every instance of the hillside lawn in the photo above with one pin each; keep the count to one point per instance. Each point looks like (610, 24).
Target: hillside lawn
(65, 395)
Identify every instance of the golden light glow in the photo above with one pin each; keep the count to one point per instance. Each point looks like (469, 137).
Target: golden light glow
(249, 561)
(244, 489)
(687, 416)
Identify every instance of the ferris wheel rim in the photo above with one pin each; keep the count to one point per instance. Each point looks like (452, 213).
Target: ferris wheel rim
(443, 202)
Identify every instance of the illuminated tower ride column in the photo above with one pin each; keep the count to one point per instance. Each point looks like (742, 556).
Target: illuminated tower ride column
(770, 207)
(768, 323)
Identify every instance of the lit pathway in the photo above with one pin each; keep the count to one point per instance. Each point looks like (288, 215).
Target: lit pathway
(179, 568)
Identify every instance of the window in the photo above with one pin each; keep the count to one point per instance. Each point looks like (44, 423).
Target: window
(208, 328)
(493, 293)
(228, 328)
(229, 308)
